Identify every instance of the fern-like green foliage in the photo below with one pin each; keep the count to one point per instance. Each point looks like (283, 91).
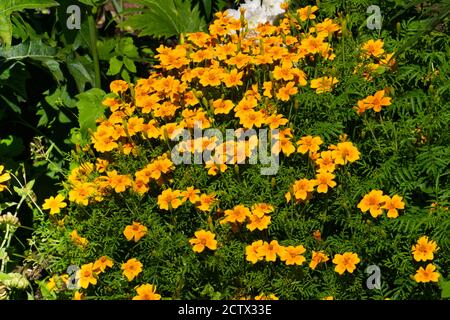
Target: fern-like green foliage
(164, 18)
(7, 7)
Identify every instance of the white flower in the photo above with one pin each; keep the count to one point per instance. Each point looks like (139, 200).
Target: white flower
(256, 13)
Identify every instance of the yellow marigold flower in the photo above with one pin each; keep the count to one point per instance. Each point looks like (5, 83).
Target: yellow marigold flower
(238, 214)
(203, 239)
(372, 201)
(345, 262)
(81, 192)
(392, 205)
(307, 13)
(283, 142)
(169, 199)
(258, 222)
(326, 162)
(222, 106)
(252, 253)
(147, 292)
(86, 275)
(140, 186)
(118, 86)
(316, 258)
(377, 101)
(309, 144)
(328, 298)
(118, 182)
(285, 93)
(190, 194)
(270, 250)
(427, 275)
(54, 204)
(131, 268)
(251, 118)
(101, 264)
(233, 79)
(324, 84)
(261, 209)
(292, 255)
(373, 48)
(240, 60)
(206, 202)
(267, 89)
(3, 178)
(345, 152)
(160, 166)
(283, 72)
(302, 187)
(78, 295)
(424, 249)
(326, 27)
(77, 239)
(325, 180)
(275, 121)
(314, 45)
(135, 231)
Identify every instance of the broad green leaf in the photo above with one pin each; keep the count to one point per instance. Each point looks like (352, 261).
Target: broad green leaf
(115, 65)
(90, 108)
(34, 49)
(11, 146)
(165, 18)
(7, 7)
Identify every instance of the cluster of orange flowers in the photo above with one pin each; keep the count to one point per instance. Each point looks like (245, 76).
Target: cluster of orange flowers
(375, 201)
(424, 250)
(326, 163)
(374, 59)
(257, 217)
(171, 199)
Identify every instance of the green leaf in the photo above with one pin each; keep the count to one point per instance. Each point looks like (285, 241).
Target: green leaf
(165, 18)
(129, 64)
(82, 71)
(11, 146)
(9, 6)
(34, 49)
(115, 65)
(445, 286)
(90, 109)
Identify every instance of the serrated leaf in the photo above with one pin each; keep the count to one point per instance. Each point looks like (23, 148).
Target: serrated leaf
(90, 108)
(165, 18)
(9, 6)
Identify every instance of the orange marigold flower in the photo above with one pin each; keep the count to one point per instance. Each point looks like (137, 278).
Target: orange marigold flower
(132, 268)
(302, 187)
(346, 262)
(169, 199)
(325, 180)
(147, 292)
(373, 202)
(101, 264)
(270, 250)
(285, 93)
(373, 48)
(392, 205)
(324, 84)
(316, 258)
(203, 239)
(309, 144)
(307, 13)
(86, 275)
(135, 231)
(238, 214)
(345, 152)
(293, 255)
(252, 253)
(118, 86)
(206, 202)
(427, 275)
(424, 249)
